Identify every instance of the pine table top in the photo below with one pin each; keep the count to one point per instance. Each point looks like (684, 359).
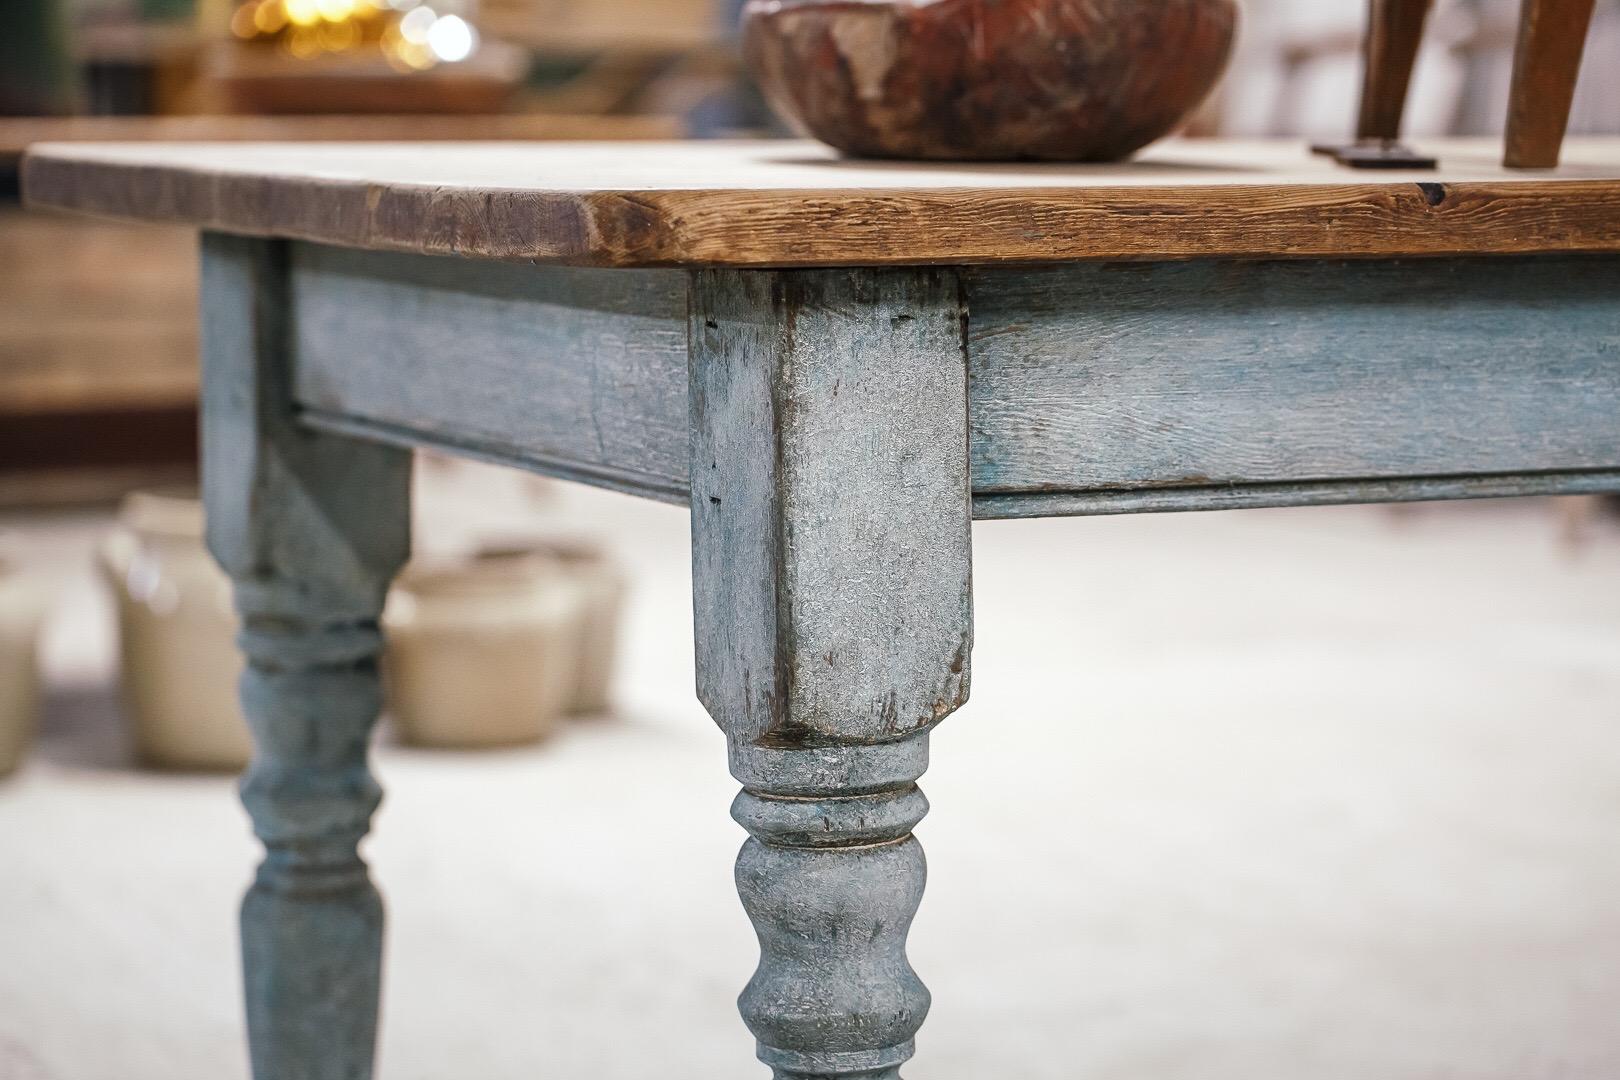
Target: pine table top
(772, 203)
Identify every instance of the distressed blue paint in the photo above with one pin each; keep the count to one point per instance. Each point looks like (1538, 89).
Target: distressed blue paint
(311, 528)
(831, 557)
(1095, 389)
(1091, 378)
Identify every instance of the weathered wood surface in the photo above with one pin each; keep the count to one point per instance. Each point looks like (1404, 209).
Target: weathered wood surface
(1210, 374)
(832, 483)
(832, 591)
(1094, 389)
(581, 373)
(311, 527)
(774, 204)
(1546, 67)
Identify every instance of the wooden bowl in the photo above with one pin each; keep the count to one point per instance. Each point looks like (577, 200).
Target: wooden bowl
(989, 80)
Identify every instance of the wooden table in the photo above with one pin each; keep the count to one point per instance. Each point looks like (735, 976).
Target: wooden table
(839, 366)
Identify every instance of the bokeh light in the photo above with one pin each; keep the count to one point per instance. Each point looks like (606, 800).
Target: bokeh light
(411, 35)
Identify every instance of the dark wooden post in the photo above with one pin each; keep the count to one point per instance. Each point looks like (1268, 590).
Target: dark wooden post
(1546, 65)
(1394, 35)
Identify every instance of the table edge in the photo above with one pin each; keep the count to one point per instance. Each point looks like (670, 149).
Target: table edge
(805, 227)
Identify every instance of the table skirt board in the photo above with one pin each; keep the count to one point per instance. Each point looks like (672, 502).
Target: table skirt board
(578, 373)
(1094, 388)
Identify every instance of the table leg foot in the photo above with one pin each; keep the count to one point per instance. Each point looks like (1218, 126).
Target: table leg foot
(831, 880)
(312, 922)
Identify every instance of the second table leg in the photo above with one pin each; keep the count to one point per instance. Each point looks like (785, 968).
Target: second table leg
(311, 529)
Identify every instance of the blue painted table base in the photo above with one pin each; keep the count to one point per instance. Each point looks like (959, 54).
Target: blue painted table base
(834, 432)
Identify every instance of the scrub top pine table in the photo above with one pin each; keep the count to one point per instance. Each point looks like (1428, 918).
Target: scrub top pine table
(838, 365)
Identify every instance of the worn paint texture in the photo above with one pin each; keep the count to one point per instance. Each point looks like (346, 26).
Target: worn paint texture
(311, 527)
(820, 421)
(832, 586)
(1095, 389)
(580, 373)
(1218, 383)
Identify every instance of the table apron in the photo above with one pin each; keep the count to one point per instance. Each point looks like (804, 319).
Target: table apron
(578, 373)
(1094, 388)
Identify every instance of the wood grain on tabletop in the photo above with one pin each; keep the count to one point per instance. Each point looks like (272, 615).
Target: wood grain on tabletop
(793, 203)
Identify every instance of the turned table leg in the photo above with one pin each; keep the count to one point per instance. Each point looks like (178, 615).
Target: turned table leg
(311, 528)
(830, 518)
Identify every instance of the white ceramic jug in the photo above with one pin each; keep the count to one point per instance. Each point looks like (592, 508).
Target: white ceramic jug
(177, 636)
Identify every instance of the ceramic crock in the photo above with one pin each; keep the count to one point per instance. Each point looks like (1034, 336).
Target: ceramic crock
(482, 652)
(22, 610)
(177, 636)
(592, 570)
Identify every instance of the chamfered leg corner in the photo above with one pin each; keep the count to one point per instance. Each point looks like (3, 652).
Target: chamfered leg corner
(832, 592)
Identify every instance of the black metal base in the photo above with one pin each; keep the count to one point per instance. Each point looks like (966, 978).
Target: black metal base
(1376, 154)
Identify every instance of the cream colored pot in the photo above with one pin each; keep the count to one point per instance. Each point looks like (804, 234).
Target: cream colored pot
(482, 652)
(22, 610)
(599, 577)
(177, 637)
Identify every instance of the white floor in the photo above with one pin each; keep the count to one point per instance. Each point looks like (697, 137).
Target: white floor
(1326, 794)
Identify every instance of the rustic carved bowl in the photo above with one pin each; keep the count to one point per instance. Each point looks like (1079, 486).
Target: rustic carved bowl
(989, 80)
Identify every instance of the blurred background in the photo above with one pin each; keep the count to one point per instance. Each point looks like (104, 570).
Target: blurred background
(1328, 793)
